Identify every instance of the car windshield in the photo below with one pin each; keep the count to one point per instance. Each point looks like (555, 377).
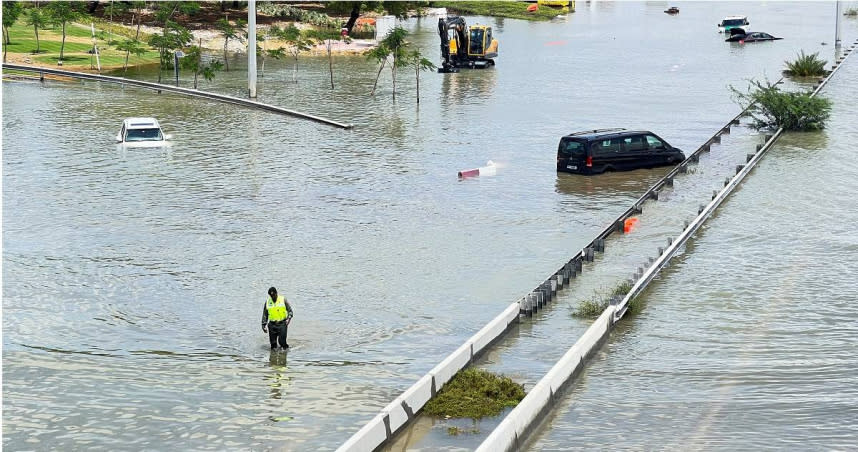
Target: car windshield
(153, 134)
(732, 22)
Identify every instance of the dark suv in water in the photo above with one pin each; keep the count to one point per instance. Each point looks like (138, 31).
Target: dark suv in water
(597, 151)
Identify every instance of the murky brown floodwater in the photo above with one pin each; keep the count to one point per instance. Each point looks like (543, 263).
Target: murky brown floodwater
(134, 279)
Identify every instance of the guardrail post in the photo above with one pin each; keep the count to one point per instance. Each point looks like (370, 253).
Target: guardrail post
(716, 139)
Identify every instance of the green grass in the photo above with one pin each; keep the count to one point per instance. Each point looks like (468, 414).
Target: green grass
(806, 66)
(475, 393)
(510, 9)
(594, 306)
(22, 40)
(851, 12)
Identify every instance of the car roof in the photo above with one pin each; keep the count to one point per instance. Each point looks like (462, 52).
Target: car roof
(606, 133)
(141, 122)
(735, 17)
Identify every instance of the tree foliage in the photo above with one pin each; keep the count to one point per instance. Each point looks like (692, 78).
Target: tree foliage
(297, 43)
(11, 13)
(38, 19)
(61, 13)
(772, 108)
(193, 61)
(806, 66)
(230, 31)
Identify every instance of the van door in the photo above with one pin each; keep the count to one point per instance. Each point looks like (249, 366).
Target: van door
(659, 151)
(571, 155)
(606, 154)
(635, 153)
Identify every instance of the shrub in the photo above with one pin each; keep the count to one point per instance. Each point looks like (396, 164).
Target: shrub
(772, 108)
(851, 12)
(475, 393)
(806, 66)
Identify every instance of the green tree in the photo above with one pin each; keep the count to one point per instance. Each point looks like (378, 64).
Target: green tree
(61, 13)
(135, 45)
(11, 12)
(173, 35)
(229, 31)
(420, 63)
(297, 42)
(130, 46)
(380, 54)
(395, 41)
(772, 108)
(193, 61)
(37, 19)
(327, 37)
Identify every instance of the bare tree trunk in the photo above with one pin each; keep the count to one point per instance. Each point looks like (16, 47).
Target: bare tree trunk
(331, 64)
(393, 74)
(136, 37)
(199, 63)
(225, 60)
(38, 48)
(295, 70)
(353, 17)
(417, 72)
(378, 76)
(63, 45)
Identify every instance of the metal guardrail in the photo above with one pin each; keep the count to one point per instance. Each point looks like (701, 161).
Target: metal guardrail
(175, 89)
(512, 432)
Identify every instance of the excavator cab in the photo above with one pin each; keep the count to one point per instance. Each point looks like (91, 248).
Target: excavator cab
(480, 42)
(472, 47)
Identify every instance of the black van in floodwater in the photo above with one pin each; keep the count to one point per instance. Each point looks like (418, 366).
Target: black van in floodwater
(597, 151)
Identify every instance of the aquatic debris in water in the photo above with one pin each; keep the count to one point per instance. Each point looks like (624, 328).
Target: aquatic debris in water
(475, 393)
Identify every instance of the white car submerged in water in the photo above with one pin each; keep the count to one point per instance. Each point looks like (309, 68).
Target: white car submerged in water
(143, 132)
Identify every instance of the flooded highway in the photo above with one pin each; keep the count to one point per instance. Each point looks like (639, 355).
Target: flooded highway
(133, 279)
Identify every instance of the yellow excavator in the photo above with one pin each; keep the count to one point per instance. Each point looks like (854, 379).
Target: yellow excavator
(469, 47)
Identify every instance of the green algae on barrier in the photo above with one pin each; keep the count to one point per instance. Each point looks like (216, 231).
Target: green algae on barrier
(475, 393)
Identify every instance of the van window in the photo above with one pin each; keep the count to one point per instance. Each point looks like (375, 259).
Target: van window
(571, 147)
(602, 147)
(635, 143)
(654, 143)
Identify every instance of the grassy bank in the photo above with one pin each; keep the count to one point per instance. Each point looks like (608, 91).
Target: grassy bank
(22, 48)
(512, 10)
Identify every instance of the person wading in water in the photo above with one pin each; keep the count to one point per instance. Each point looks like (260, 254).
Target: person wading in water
(276, 315)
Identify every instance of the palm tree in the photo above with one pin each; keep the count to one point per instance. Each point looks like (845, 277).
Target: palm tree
(37, 19)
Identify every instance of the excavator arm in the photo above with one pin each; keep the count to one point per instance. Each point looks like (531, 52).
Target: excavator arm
(458, 25)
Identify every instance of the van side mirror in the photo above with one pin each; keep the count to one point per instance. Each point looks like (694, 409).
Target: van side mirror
(168, 136)
(118, 138)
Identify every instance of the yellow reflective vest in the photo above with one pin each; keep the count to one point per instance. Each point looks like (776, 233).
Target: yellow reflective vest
(277, 309)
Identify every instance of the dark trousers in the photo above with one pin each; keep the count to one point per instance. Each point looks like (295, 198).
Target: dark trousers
(277, 331)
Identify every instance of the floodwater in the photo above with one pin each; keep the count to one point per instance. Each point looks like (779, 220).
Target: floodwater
(134, 279)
